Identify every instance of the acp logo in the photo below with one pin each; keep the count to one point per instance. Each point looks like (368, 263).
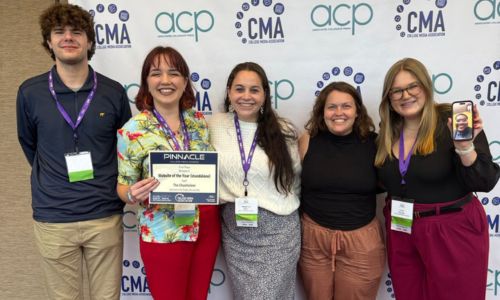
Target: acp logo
(282, 89)
(111, 27)
(182, 24)
(340, 74)
(258, 25)
(495, 151)
(422, 22)
(493, 282)
(202, 88)
(487, 86)
(487, 12)
(129, 221)
(134, 281)
(218, 279)
(341, 16)
(388, 286)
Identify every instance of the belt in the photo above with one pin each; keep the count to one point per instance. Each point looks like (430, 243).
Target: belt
(454, 207)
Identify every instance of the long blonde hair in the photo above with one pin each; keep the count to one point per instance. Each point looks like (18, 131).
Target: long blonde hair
(391, 123)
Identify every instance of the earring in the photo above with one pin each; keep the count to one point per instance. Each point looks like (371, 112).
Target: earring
(231, 108)
(262, 110)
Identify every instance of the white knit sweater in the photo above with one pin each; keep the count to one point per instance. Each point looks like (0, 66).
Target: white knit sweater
(261, 184)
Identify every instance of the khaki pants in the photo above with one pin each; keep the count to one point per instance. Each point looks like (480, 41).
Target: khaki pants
(341, 265)
(64, 248)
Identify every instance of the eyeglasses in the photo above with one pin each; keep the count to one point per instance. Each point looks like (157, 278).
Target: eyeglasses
(413, 89)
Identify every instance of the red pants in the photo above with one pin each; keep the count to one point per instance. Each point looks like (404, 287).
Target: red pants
(183, 270)
(444, 258)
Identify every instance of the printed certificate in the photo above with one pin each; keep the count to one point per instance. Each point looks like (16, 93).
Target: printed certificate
(185, 177)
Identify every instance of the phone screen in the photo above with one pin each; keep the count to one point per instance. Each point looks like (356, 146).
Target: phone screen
(462, 117)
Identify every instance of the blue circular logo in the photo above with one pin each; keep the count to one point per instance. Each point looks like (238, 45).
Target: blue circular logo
(400, 9)
(237, 25)
(279, 8)
(206, 84)
(100, 8)
(398, 27)
(496, 65)
(347, 71)
(326, 76)
(245, 6)
(477, 88)
(397, 18)
(440, 3)
(480, 78)
(267, 2)
(123, 15)
(195, 76)
(486, 70)
(239, 15)
(143, 271)
(92, 12)
(359, 78)
(240, 34)
(406, 2)
(136, 264)
(495, 201)
(336, 71)
(320, 84)
(255, 2)
(485, 201)
(126, 263)
(112, 8)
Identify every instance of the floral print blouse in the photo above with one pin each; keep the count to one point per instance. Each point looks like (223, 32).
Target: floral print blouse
(138, 136)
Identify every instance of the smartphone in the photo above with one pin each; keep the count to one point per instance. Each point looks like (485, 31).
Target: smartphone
(462, 120)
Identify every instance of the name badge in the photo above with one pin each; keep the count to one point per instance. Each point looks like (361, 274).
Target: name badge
(402, 215)
(247, 212)
(79, 166)
(184, 214)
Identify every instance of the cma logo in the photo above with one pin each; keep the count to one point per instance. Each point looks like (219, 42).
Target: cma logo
(340, 74)
(341, 16)
(493, 220)
(487, 11)
(487, 87)
(202, 93)
(111, 34)
(136, 283)
(420, 23)
(493, 282)
(184, 23)
(260, 27)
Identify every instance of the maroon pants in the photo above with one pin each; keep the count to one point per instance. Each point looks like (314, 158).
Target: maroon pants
(183, 270)
(444, 258)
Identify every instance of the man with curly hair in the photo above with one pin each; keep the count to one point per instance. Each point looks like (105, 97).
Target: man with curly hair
(67, 120)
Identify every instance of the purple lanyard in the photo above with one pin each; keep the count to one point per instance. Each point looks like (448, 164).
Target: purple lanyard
(82, 112)
(171, 134)
(404, 163)
(245, 163)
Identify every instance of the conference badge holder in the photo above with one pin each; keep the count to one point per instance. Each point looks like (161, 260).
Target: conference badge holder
(79, 166)
(402, 215)
(247, 212)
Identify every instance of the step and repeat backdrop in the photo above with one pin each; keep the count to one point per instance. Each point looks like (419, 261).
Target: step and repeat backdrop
(303, 46)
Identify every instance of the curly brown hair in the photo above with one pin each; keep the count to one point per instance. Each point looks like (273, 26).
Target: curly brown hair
(60, 15)
(363, 124)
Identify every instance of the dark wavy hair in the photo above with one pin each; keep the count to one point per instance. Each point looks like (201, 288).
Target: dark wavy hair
(273, 132)
(144, 100)
(363, 124)
(60, 15)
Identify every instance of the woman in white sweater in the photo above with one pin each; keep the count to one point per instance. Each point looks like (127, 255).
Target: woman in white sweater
(259, 175)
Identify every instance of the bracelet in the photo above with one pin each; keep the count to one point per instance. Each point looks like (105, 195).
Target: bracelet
(465, 151)
(129, 196)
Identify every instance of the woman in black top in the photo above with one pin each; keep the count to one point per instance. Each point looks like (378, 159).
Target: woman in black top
(443, 252)
(342, 253)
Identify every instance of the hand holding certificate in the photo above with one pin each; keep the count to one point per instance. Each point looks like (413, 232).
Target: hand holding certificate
(185, 177)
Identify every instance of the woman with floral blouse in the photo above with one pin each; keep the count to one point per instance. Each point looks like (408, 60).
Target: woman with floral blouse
(178, 253)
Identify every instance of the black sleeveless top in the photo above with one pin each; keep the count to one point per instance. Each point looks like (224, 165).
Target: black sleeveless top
(339, 181)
